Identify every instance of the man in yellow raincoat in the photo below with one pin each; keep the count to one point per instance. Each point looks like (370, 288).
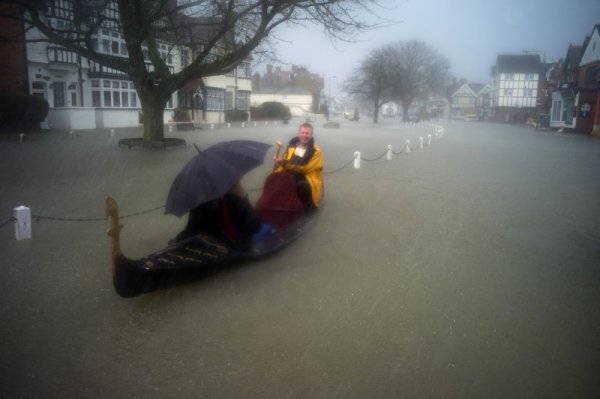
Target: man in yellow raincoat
(304, 161)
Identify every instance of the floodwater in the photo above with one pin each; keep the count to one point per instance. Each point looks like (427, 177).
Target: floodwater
(466, 269)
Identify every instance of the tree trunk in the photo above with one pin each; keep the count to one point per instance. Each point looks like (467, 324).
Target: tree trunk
(376, 107)
(376, 115)
(153, 120)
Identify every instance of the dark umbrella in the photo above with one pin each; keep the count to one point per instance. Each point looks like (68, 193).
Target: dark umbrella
(212, 172)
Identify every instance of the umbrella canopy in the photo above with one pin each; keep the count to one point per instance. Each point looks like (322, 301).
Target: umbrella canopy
(212, 172)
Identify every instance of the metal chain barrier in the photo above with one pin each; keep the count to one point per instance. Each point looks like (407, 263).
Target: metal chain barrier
(7, 221)
(340, 168)
(374, 159)
(402, 151)
(100, 219)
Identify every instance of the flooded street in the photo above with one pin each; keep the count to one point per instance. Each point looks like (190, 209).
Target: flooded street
(468, 268)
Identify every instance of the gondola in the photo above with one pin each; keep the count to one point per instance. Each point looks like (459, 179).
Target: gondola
(202, 254)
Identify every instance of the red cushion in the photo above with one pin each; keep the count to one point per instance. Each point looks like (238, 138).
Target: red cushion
(279, 204)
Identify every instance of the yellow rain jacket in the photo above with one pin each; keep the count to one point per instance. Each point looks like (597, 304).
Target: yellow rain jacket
(311, 169)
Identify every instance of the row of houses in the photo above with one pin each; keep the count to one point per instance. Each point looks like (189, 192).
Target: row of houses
(83, 94)
(563, 94)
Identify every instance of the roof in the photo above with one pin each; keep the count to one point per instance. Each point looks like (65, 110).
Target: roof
(464, 90)
(573, 57)
(590, 53)
(521, 63)
(473, 89)
(476, 87)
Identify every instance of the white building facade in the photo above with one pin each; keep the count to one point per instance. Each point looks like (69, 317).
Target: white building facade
(83, 94)
(516, 90)
(297, 100)
(516, 84)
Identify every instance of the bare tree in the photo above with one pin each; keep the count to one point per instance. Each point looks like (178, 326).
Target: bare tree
(220, 33)
(416, 70)
(369, 83)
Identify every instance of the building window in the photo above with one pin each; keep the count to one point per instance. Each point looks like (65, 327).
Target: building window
(243, 100)
(111, 42)
(60, 9)
(228, 100)
(107, 99)
(112, 13)
(58, 90)
(215, 99)
(73, 94)
(132, 99)
(244, 70)
(58, 54)
(185, 57)
(108, 93)
(556, 110)
(38, 89)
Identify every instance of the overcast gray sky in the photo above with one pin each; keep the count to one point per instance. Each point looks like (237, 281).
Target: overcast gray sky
(470, 33)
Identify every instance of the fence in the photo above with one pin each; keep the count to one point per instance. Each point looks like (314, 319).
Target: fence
(22, 215)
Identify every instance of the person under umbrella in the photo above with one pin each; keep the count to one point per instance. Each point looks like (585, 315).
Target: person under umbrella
(230, 218)
(209, 188)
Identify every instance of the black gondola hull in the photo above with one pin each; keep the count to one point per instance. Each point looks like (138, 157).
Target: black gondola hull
(194, 258)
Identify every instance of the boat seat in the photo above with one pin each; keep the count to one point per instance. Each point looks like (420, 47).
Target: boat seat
(279, 204)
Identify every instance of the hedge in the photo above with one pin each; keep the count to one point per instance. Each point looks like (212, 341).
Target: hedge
(22, 111)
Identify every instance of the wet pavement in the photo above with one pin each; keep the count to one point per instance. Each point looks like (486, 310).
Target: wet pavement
(466, 269)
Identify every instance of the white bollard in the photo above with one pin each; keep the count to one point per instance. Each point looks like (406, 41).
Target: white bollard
(70, 133)
(389, 152)
(170, 128)
(212, 126)
(228, 125)
(356, 160)
(112, 132)
(22, 215)
(243, 124)
(429, 139)
(266, 123)
(421, 142)
(407, 147)
(255, 123)
(21, 137)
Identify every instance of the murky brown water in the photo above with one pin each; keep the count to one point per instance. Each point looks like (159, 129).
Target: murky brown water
(469, 268)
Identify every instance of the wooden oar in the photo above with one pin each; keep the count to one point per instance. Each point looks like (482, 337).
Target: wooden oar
(114, 231)
(279, 145)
